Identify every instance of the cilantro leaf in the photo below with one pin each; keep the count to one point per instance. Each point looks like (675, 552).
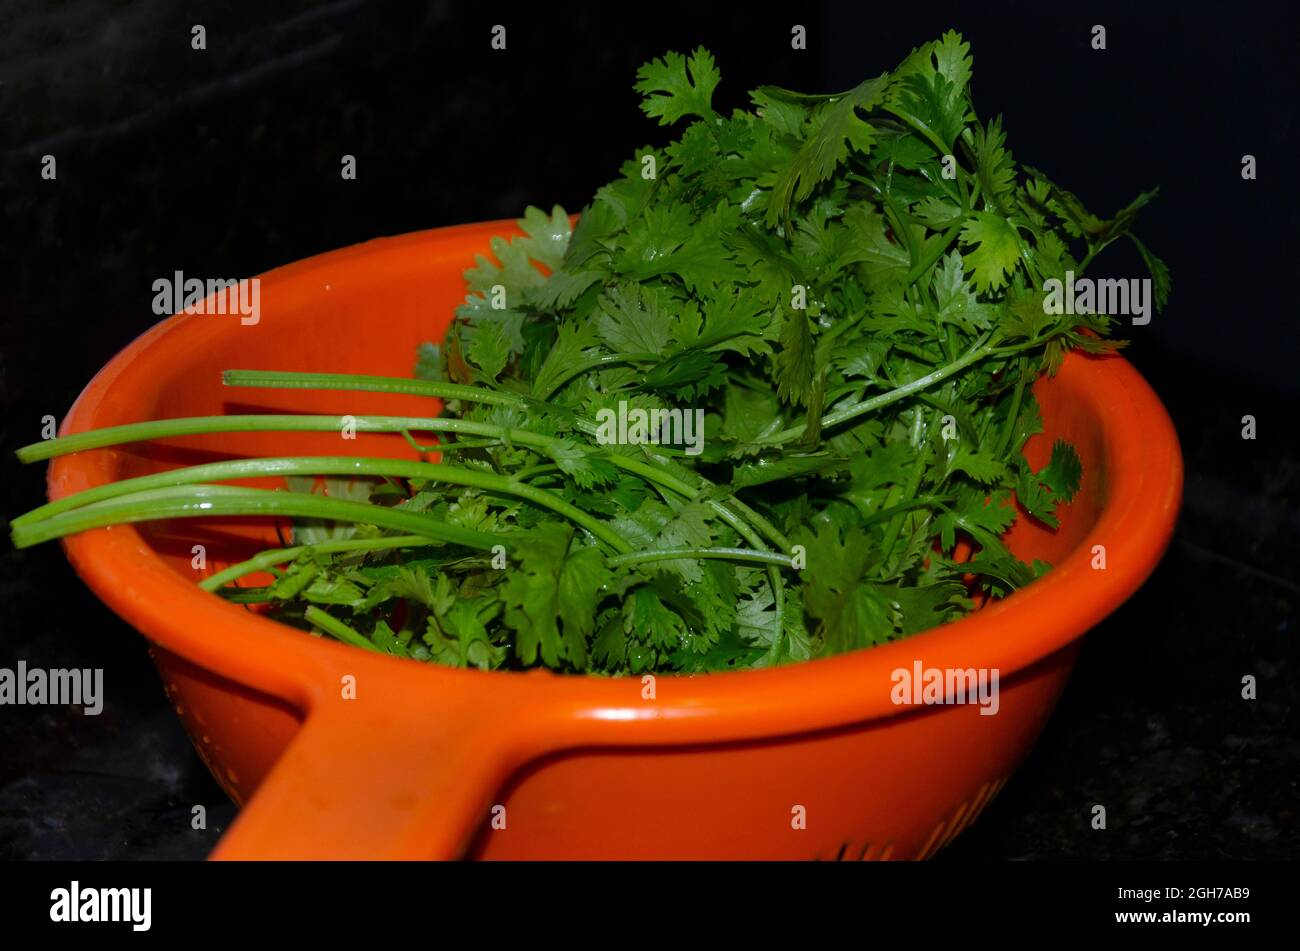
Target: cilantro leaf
(671, 92)
(836, 129)
(630, 322)
(997, 249)
(551, 598)
(844, 292)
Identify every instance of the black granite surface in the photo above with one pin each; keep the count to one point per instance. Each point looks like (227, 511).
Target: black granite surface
(226, 162)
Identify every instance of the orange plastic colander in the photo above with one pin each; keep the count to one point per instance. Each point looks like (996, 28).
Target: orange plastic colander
(809, 760)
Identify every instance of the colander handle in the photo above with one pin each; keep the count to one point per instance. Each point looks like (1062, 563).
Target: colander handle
(382, 781)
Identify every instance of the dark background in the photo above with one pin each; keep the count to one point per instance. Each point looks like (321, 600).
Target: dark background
(226, 162)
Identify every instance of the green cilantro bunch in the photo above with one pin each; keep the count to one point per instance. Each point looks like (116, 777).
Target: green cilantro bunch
(847, 293)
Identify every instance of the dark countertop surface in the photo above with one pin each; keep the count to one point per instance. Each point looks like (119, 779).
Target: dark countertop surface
(228, 164)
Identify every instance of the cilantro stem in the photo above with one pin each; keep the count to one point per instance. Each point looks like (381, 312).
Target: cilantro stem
(533, 471)
(671, 482)
(934, 254)
(276, 379)
(758, 521)
(1093, 251)
(661, 477)
(266, 560)
(902, 510)
(920, 501)
(208, 500)
(336, 628)
(778, 598)
(193, 425)
(978, 351)
(729, 554)
(899, 224)
(470, 393)
(329, 465)
(920, 127)
(1004, 438)
(745, 531)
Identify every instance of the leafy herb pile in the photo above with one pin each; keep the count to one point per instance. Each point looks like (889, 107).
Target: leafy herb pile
(850, 287)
